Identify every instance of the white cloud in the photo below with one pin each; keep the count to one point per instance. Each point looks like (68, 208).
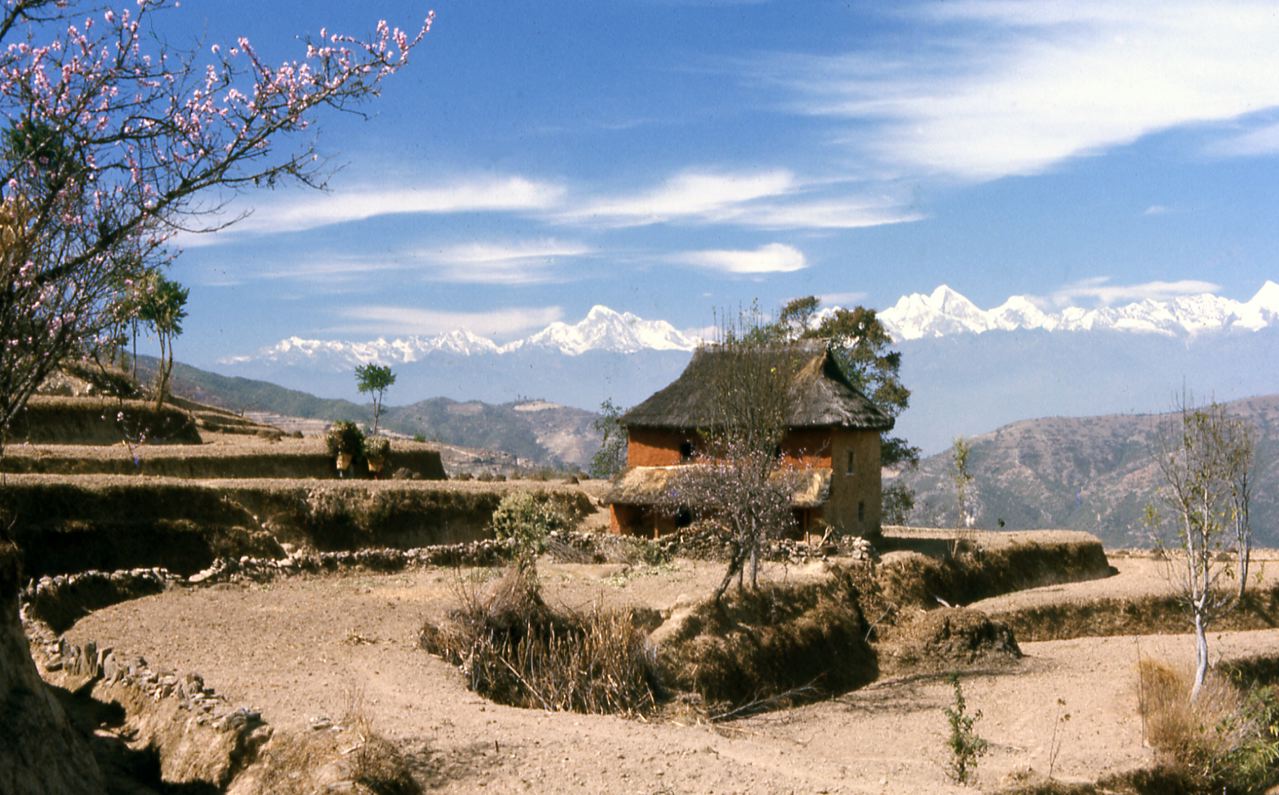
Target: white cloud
(691, 195)
(1100, 289)
(832, 214)
(401, 320)
(298, 212)
(511, 262)
(1156, 209)
(775, 199)
(1001, 88)
(771, 258)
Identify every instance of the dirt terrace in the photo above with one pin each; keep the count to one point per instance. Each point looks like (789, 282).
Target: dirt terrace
(300, 649)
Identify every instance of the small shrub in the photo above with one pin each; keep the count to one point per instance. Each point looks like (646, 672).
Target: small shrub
(965, 745)
(419, 438)
(526, 519)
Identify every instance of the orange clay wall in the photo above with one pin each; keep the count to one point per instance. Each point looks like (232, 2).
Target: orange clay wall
(653, 447)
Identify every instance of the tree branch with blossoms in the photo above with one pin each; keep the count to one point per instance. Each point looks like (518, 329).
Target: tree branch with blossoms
(113, 141)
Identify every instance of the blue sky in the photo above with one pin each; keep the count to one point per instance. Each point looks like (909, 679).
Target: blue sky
(668, 157)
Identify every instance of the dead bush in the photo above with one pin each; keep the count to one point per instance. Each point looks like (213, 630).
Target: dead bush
(376, 764)
(1224, 740)
(772, 645)
(515, 649)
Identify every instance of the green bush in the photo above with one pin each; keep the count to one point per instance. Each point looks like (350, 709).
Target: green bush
(344, 437)
(526, 519)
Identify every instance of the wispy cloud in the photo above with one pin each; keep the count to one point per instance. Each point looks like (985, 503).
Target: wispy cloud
(1005, 87)
(775, 199)
(401, 320)
(1100, 290)
(771, 258)
(691, 195)
(1156, 209)
(509, 262)
(299, 212)
(824, 214)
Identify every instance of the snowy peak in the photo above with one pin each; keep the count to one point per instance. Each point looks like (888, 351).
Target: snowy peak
(602, 329)
(605, 329)
(945, 312)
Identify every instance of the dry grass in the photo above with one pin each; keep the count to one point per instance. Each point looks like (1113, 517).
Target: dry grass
(1224, 740)
(351, 757)
(516, 650)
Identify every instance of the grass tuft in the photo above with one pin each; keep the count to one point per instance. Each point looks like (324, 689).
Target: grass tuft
(516, 650)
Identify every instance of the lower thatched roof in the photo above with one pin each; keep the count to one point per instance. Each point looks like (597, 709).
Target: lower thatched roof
(650, 486)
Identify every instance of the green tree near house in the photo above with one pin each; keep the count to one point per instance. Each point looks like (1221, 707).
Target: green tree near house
(162, 306)
(610, 460)
(861, 346)
(373, 380)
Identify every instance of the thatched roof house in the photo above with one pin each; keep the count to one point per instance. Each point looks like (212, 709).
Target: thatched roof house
(832, 431)
(821, 396)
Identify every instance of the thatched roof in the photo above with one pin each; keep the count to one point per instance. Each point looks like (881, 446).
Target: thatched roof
(652, 485)
(821, 396)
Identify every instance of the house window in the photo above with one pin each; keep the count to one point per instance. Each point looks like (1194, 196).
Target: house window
(852, 460)
(685, 451)
(861, 512)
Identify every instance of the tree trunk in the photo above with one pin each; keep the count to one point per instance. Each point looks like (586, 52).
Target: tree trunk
(1201, 654)
(1245, 556)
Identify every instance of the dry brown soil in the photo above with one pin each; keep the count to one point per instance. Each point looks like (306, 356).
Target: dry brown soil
(302, 648)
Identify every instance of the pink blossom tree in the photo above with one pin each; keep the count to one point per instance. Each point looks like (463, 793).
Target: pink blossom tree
(112, 141)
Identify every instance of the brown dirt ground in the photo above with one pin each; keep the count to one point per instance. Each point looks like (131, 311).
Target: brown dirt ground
(302, 648)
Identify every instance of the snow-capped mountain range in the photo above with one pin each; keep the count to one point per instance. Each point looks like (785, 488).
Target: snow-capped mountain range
(943, 312)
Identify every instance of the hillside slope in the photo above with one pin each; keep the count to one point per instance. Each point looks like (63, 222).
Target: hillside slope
(1085, 473)
(537, 432)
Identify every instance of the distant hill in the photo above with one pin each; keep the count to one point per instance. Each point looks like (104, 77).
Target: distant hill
(537, 432)
(1084, 473)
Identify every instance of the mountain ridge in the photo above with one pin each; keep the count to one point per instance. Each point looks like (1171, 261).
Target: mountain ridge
(943, 312)
(1085, 473)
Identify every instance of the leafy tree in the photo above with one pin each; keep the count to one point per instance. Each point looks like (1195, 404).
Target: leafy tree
(963, 479)
(610, 460)
(861, 346)
(163, 308)
(111, 141)
(1203, 456)
(374, 380)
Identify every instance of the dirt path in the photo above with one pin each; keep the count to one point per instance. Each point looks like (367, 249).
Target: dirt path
(304, 648)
